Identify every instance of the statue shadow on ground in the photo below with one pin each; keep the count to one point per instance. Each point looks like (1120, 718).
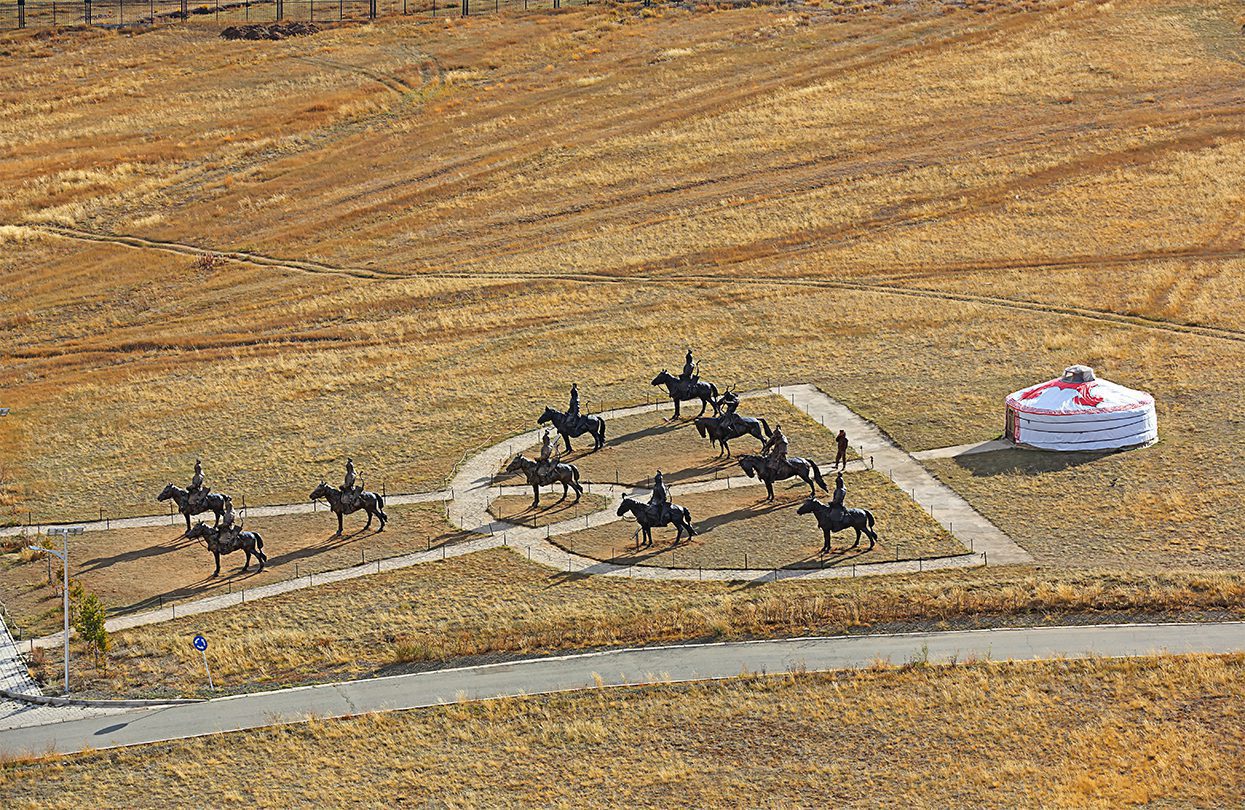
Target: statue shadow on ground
(207, 586)
(98, 563)
(1017, 460)
(644, 433)
(707, 525)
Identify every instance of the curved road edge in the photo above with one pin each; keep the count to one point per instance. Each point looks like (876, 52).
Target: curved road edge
(615, 668)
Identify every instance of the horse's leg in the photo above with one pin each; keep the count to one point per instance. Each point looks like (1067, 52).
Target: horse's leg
(187, 516)
(812, 490)
(566, 438)
(704, 403)
(676, 407)
(535, 495)
(857, 543)
(564, 491)
(769, 487)
(340, 527)
(829, 544)
(368, 525)
(216, 573)
(579, 491)
(247, 565)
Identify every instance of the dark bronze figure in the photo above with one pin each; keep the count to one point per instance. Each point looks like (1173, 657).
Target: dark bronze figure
(189, 505)
(760, 467)
(371, 502)
(220, 542)
(649, 515)
(730, 425)
(833, 519)
(571, 426)
(681, 390)
(539, 474)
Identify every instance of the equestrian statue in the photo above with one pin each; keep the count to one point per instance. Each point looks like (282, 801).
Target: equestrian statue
(774, 465)
(659, 511)
(836, 517)
(351, 498)
(547, 470)
(226, 541)
(195, 500)
(688, 386)
(730, 425)
(572, 424)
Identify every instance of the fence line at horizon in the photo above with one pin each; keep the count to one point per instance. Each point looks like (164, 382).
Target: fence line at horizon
(18, 14)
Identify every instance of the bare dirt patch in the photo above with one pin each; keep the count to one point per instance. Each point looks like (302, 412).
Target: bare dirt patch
(738, 529)
(518, 509)
(137, 569)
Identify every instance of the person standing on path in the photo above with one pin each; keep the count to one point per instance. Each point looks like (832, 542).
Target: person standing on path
(841, 441)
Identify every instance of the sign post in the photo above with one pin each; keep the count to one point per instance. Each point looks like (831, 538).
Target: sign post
(201, 645)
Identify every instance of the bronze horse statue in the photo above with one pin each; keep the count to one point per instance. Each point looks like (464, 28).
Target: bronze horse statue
(806, 469)
(720, 434)
(833, 519)
(373, 503)
(206, 502)
(571, 427)
(685, 391)
(539, 475)
(250, 542)
(649, 515)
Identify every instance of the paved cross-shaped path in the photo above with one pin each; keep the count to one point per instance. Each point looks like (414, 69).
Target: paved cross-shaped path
(472, 490)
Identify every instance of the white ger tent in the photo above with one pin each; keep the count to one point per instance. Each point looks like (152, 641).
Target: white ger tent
(1081, 412)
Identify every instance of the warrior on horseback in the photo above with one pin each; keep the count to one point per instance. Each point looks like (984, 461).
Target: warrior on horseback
(229, 532)
(689, 375)
(548, 453)
(350, 492)
(840, 492)
(660, 499)
(572, 410)
(775, 450)
(197, 492)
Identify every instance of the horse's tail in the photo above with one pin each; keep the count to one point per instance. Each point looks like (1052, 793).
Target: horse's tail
(602, 423)
(821, 482)
(259, 541)
(574, 472)
(687, 518)
(380, 501)
(869, 518)
(713, 391)
(765, 426)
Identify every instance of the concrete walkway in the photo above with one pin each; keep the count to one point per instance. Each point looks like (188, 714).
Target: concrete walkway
(679, 663)
(990, 446)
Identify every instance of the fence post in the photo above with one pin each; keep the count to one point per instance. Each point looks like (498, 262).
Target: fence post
(280, 9)
(21, 13)
(467, 8)
(86, 12)
(371, 9)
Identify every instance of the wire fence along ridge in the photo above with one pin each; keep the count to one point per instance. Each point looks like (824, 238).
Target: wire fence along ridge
(118, 13)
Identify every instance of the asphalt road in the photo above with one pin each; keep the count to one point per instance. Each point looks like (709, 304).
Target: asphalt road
(615, 668)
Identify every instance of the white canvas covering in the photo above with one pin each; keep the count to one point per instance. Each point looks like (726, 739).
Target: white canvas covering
(1080, 412)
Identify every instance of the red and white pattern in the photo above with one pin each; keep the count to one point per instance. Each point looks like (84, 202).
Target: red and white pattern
(1093, 415)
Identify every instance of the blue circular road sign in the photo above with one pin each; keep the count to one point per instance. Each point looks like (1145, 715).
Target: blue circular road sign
(200, 643)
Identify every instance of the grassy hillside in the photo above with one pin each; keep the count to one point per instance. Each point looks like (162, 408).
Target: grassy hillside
(432, 228)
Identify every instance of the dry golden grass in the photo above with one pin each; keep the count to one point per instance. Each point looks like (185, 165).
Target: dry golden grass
(791, 191)
(136, 569)
(735, 522)
(1162, 731)
(496, 602)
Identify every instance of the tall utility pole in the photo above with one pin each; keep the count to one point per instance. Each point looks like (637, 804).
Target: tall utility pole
(64, 532)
